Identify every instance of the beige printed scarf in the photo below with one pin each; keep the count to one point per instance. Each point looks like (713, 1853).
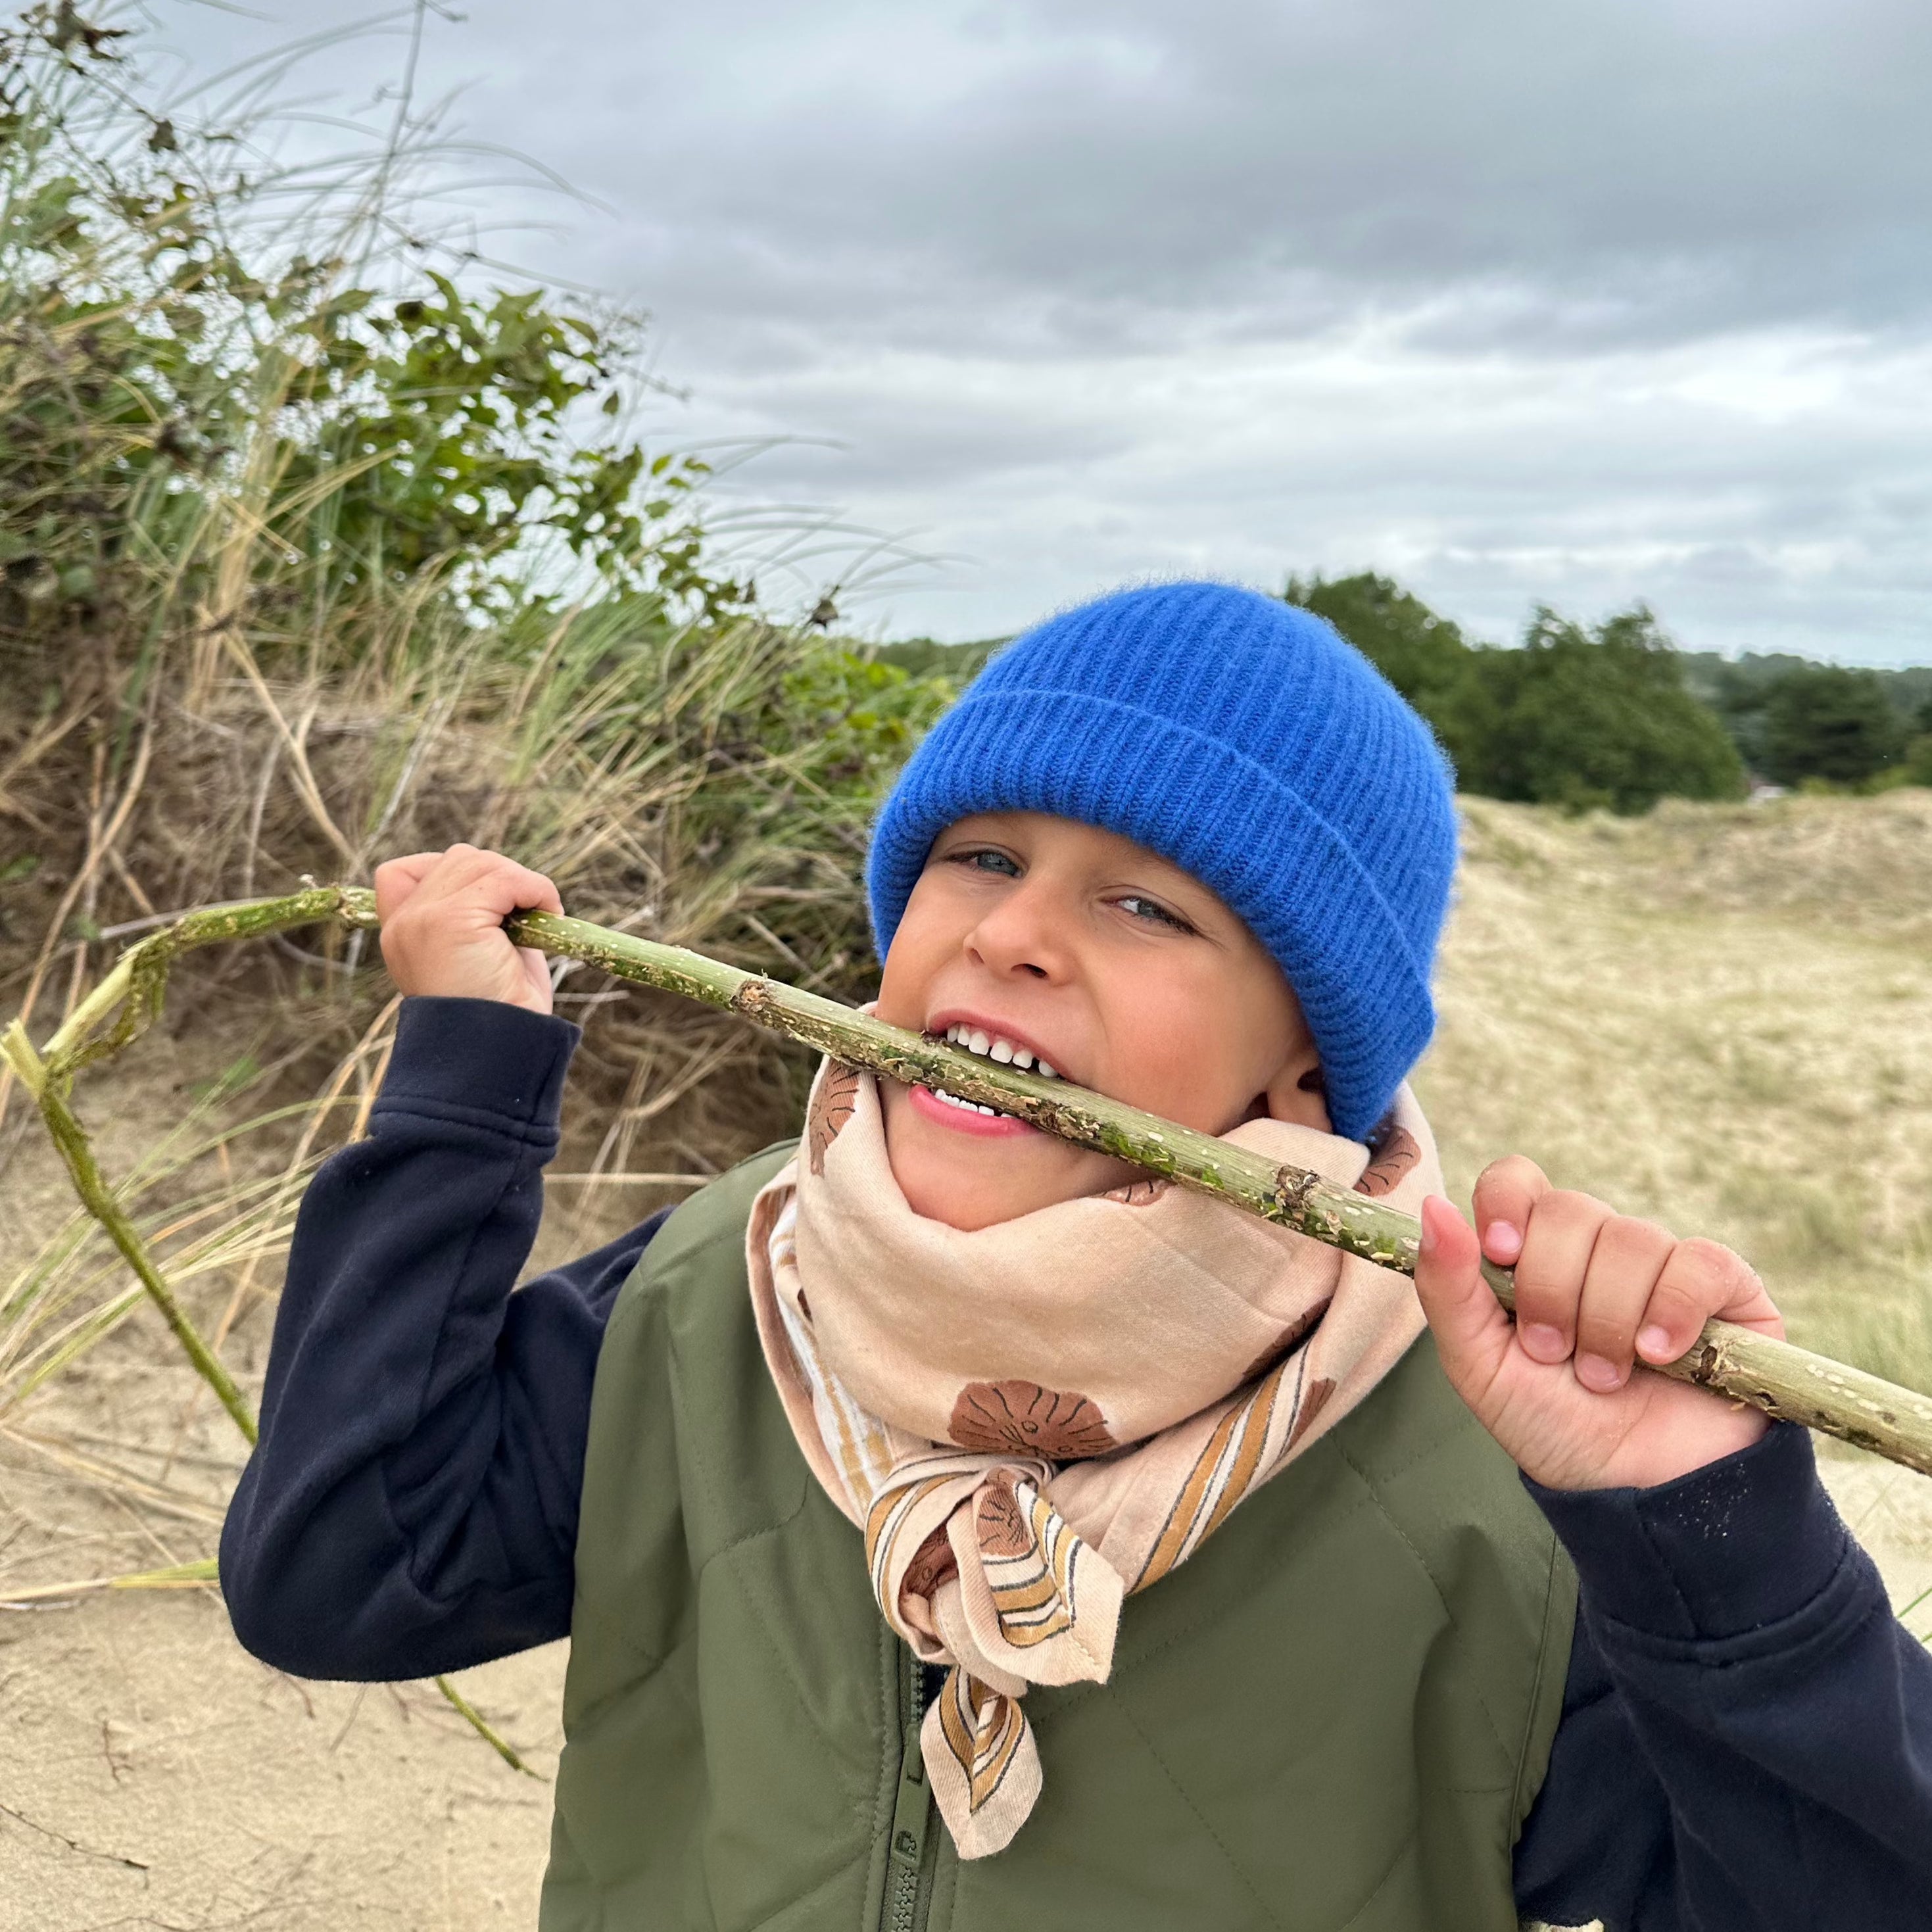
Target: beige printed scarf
(1031, 1421)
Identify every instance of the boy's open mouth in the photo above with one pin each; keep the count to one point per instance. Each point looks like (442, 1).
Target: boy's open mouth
(997, 1046)
(973, 1117)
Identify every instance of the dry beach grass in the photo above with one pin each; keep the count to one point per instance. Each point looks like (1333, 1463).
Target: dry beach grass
(207, 689)
(1719, 1015)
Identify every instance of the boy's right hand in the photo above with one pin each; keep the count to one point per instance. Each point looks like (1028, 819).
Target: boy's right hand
(443, 916)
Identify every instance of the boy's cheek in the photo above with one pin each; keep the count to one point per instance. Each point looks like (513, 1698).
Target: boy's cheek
(905, 981)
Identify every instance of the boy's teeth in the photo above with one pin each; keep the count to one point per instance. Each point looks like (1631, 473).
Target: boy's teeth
(991, 1046)
(969, 1106)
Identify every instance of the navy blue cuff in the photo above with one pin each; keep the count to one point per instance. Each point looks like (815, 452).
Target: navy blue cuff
(486, 1058)
(1741, 1543)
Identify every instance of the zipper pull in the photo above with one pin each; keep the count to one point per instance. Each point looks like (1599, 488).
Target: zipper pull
(912, 1812)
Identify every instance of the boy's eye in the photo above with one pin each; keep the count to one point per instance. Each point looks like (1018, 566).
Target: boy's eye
(984, 860)
(1152, 910)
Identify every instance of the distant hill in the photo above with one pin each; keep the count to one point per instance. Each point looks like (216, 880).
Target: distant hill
(1719, 680)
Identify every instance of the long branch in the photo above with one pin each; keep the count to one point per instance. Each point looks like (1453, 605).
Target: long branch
(49, 1078)
(71, 1139)
(1783, 1380)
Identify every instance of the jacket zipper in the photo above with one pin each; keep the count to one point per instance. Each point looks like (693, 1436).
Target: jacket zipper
(912, 1813)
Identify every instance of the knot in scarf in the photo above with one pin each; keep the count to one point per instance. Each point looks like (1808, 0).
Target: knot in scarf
(1033, 1420)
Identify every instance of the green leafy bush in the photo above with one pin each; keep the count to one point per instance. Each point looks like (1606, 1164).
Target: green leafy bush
(1825, 721)
(1572, 717)
(310, 553)
(184, 391)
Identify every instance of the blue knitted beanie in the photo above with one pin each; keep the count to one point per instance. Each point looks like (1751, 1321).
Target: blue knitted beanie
(1245, 741)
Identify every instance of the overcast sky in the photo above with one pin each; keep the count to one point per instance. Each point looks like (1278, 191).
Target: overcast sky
(1577, 301)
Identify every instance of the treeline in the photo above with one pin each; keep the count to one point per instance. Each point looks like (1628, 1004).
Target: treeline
(1610, 716)
(1613, 716)
(1793, 719)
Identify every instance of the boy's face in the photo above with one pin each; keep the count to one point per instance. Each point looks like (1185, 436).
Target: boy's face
(1126, 973)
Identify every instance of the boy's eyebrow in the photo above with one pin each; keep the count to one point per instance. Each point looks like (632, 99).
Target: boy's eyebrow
(1183, 883)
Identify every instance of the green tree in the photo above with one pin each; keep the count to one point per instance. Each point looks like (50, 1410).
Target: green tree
(1601, 717)
(1574, 717)
(1825, 721)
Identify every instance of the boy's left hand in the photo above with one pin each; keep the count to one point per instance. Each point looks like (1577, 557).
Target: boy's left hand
(1596, 1291)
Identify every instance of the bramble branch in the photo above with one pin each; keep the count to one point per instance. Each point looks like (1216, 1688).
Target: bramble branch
(1783, 1380)
(135, 986)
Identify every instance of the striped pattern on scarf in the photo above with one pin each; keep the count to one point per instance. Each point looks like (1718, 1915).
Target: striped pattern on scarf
(1030, 1421)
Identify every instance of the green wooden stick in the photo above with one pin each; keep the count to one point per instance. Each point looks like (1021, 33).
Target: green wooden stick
(139, 979)
(482, 1728)
(50, 1089)
(1784, 1380)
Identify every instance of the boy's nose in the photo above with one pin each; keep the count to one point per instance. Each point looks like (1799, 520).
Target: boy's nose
(1024, 936)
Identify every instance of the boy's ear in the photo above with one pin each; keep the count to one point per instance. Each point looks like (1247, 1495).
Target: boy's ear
(1297, 1092)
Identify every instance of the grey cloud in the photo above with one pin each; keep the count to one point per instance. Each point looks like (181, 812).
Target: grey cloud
(1058, 175)
(1641, 168)
(1623, 297)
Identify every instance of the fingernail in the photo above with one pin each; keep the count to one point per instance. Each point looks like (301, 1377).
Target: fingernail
(1655, 1342)
(1594, 1373)
(1501, 1242)
(1425, 1246)
(1545, 1343)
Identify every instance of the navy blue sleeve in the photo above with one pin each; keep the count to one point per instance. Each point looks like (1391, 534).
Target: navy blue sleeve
(412, 1505)
(1746, 1744)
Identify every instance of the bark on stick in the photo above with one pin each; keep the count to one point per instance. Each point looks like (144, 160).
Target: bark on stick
(1786, 1382)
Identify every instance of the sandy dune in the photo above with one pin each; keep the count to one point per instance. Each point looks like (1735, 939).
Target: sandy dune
(1711, 1015)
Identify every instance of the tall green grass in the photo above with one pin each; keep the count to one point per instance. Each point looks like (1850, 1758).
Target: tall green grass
(311, 554)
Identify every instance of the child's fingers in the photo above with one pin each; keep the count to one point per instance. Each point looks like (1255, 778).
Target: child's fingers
(442, 925)
(397, 879)
(536, 969)
(489, 880)
(1624, 1266)
(1701, 1278)
(1549, 1271)
(1472, 1333)
(534, 892)
(446, 878)
(515, 888)
(1507, 1192)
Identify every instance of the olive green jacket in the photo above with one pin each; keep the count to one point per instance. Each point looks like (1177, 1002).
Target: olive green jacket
(1335, 1714)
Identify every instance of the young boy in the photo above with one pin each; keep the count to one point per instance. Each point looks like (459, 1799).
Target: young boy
(965, 1530)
